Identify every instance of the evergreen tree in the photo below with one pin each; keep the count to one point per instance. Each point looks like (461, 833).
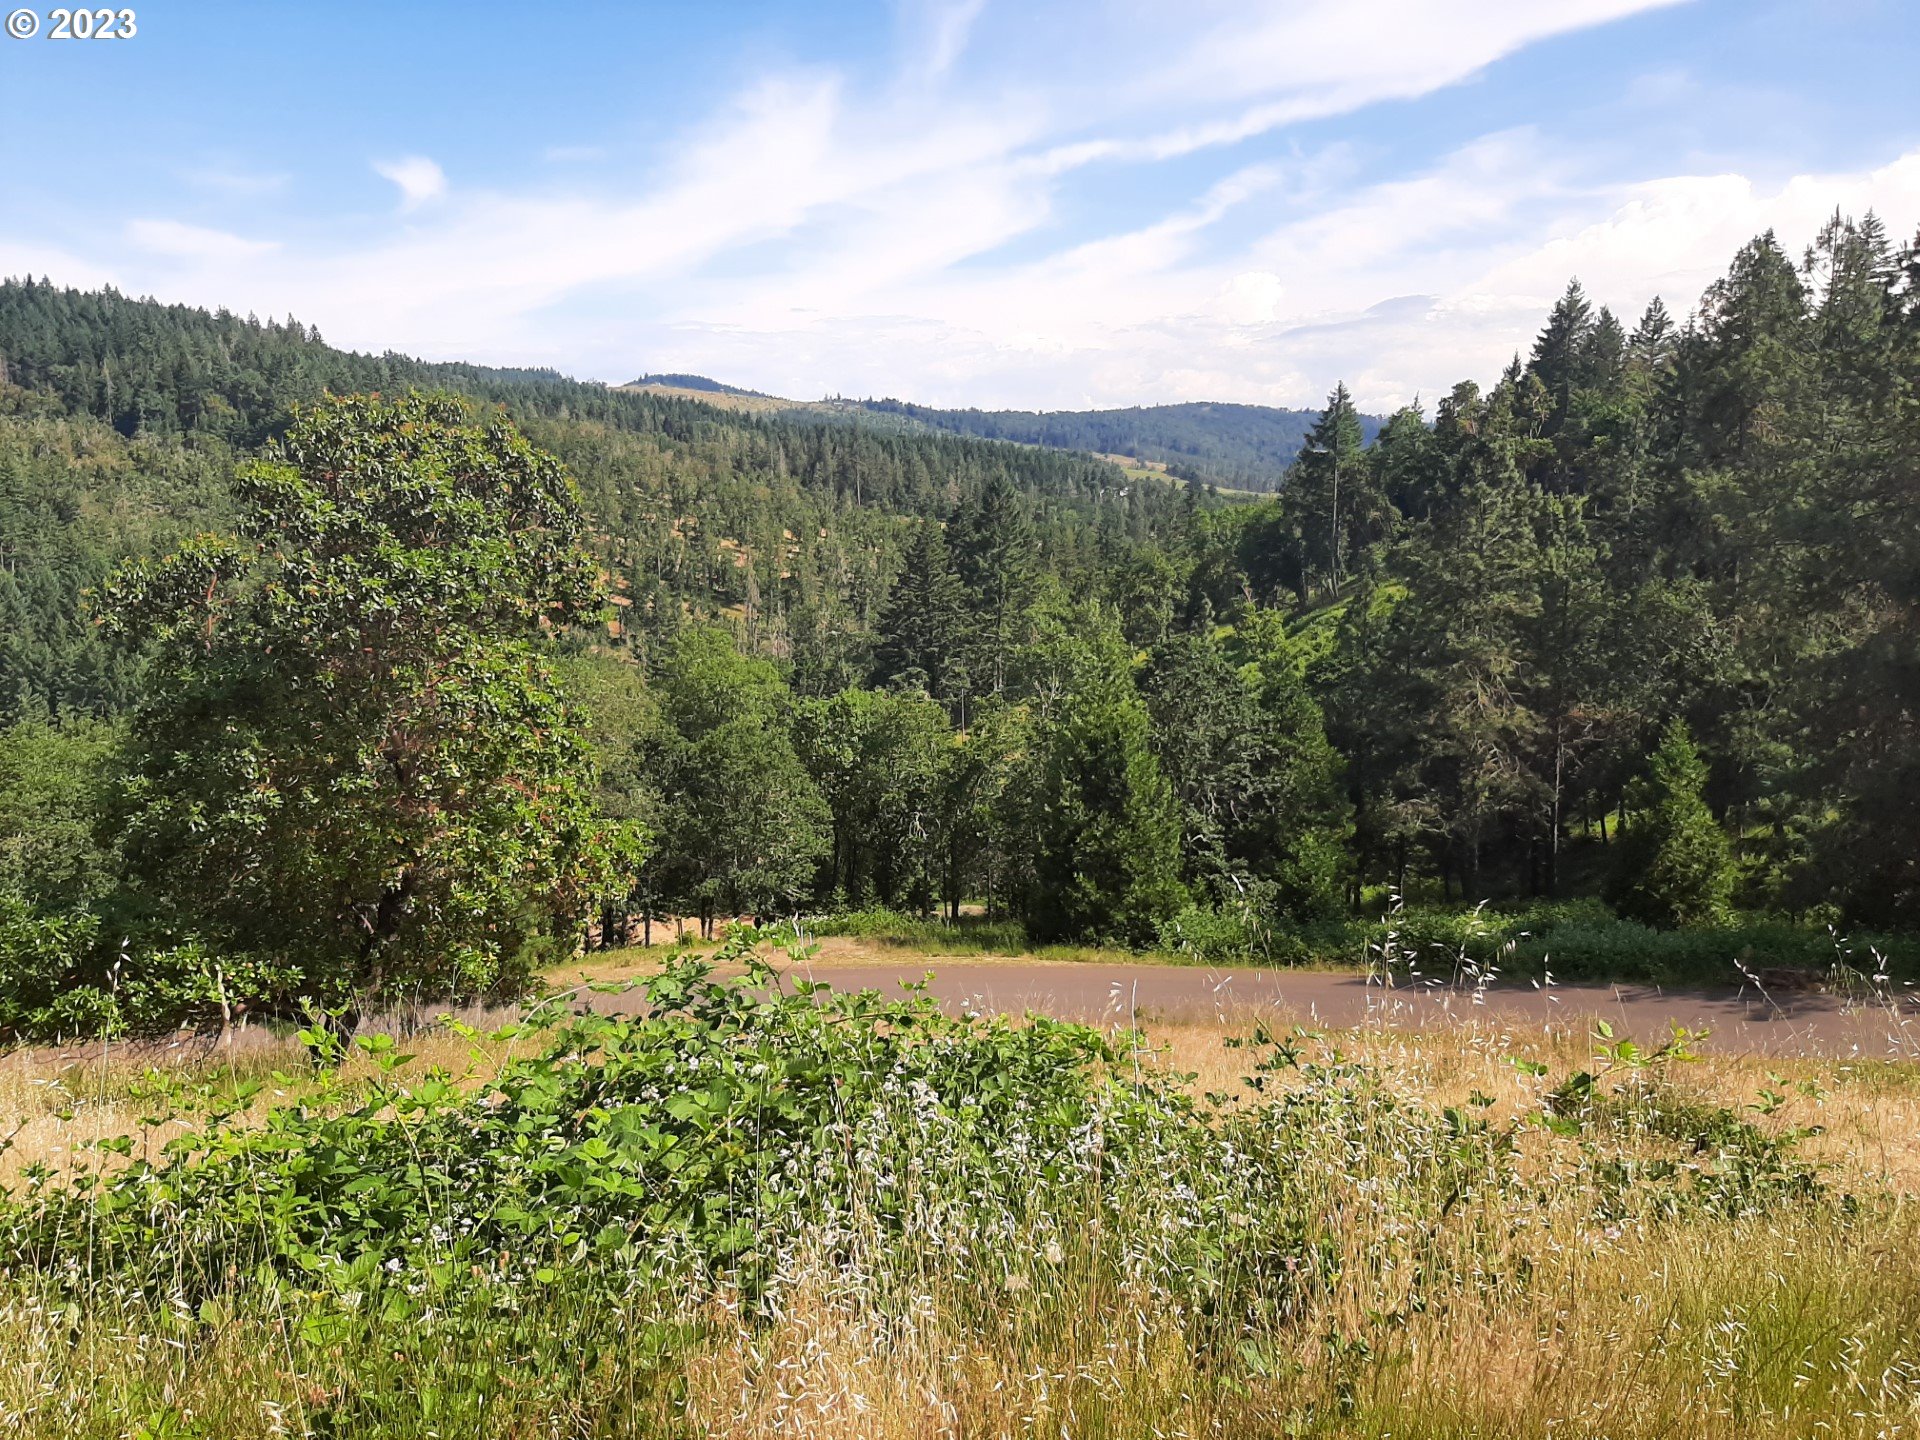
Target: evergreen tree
(1561, 353)
(1104, 823)
(1457, 654)
(1675, 867)
(994, 547)
(56, 856)
(1205, 723)
(1408, 469)
(1332, 503)
(922, 633)
(1651, 344)
(1245, 752)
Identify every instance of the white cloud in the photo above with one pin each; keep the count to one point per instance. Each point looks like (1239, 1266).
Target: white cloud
(194, 242)
(949, 24)
(1400, 290)
(1411, 47)
(419, 179)
(238, 182)
(49, 262)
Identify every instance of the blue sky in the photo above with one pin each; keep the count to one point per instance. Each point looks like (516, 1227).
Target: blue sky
(957, 201)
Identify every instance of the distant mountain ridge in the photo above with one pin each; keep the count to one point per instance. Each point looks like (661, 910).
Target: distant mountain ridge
(1247, 446)
(1239, 446)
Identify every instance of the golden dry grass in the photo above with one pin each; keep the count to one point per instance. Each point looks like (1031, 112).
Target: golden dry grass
(719, 399)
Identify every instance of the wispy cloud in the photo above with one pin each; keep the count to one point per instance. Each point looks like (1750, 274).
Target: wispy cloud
(419, 179)
(194, 242)
(949, 25)
(220, 180)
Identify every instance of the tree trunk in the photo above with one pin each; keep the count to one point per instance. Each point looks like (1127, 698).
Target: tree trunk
(1559, 786)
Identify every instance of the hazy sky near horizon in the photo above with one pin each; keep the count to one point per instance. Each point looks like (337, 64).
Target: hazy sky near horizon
(970, 202)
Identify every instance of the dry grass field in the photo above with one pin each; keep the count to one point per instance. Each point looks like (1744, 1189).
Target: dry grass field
(719, 399)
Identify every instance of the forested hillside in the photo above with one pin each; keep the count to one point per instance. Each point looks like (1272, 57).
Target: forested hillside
(1246, 447)
(120, 421)
(1635, 625)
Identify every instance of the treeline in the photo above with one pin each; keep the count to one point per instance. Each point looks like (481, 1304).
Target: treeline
(1717, 522)
(1500, 610)
(1243, 446)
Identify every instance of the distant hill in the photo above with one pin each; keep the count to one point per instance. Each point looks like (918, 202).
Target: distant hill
(693, 382)
(1243, 446)
(1238, 447)
(707, 392)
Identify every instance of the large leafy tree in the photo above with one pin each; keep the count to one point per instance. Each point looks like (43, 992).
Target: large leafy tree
(743, 829)
(623, 728)
(881, 760)
(353, 757)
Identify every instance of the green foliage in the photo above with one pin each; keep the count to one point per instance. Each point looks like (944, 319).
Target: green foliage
(54, 784)
(585, 1204)
(923, 633)
(1240, 932)
(1582, 940)
(636, 1158)
(354, 762)
(996, 554)
(1105, 828)
(76, 498)
(1472, 627)
(743, 828)
(968, 935)
(40, 958)
(60, 981)
(882, 764)
(1262, 812)
(1654, 1153)
(1675, 867)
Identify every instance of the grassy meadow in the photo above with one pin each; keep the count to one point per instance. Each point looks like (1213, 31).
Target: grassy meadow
(754, 1215)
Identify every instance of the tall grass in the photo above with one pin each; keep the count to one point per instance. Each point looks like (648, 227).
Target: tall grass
(753, 1214)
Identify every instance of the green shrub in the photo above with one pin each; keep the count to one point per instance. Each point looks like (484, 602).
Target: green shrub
(41, 995)
(970, 935)
(1235, 934)
(732, 1123)
(1201, 932)
(1583, 940)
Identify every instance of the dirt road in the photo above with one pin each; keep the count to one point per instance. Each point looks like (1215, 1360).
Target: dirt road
(1743, 1021)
